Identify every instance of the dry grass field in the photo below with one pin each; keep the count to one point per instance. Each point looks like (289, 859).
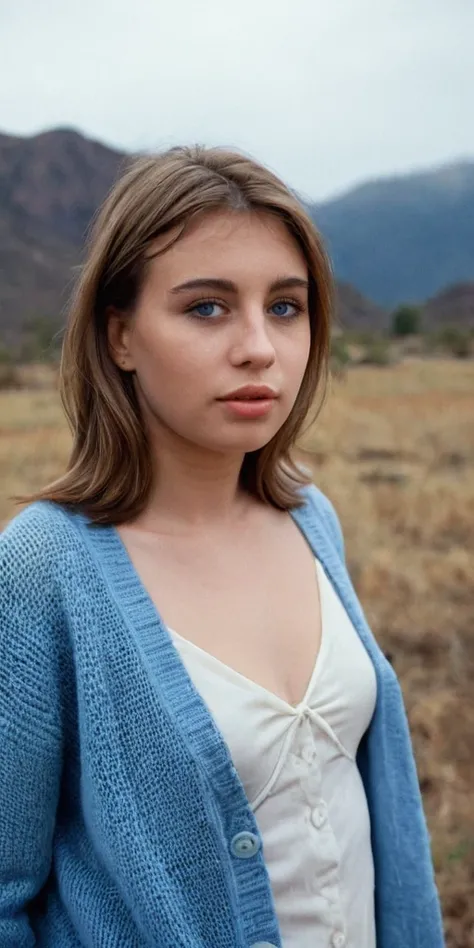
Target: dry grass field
(394, 450)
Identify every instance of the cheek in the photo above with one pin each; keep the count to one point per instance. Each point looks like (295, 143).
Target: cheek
(172, 369)
(163, 353)
(296, 355)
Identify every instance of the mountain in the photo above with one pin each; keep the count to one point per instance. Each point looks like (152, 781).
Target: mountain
(50, 186)
(453, 305)
(405, 238)
(356, 312)
(395, 240)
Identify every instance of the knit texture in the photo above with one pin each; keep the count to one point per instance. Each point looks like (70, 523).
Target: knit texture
(118, 797)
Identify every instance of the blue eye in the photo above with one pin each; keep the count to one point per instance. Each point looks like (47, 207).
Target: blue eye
(205, 306)
(297, 309)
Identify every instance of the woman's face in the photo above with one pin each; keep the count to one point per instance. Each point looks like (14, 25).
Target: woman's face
(191, 346)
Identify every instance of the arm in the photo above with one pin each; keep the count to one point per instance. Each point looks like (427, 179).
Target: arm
(30, 721)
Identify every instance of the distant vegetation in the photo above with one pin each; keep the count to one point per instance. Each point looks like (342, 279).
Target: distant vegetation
(406, 321)
(354, 348)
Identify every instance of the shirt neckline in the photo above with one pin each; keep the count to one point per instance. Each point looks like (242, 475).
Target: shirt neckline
(271, 696)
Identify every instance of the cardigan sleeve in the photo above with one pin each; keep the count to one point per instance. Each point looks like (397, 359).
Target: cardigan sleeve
(30, 721)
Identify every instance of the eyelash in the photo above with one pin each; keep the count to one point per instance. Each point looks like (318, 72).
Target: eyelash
(191, 310)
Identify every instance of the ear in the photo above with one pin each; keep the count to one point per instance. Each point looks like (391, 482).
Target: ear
(119, 333)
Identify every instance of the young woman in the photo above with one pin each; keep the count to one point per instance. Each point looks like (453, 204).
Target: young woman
(201, 744)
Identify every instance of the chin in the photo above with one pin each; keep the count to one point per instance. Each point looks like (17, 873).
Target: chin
(249, 441)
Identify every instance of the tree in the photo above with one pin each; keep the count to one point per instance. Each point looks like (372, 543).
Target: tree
(406, 321)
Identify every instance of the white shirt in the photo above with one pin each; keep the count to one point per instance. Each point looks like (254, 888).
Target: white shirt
(297, 765)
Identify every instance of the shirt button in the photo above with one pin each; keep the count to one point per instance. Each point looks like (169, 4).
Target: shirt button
(263, 944)
(244, 845)
(338, 940)
(318, 818)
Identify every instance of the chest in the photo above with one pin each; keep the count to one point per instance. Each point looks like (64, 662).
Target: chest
(254, 606)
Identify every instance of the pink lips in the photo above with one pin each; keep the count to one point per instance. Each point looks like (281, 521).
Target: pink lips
(250, 401)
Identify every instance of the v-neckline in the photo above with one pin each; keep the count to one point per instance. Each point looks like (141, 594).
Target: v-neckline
(173, 687)
(255, 685)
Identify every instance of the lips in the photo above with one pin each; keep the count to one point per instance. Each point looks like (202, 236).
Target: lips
(246, 398)
(250, 393)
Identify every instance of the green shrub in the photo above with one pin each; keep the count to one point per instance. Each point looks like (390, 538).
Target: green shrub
(406, 321)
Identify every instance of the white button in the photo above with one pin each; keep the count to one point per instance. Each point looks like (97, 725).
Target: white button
(263, 944)
(338, 940)
(318, 817)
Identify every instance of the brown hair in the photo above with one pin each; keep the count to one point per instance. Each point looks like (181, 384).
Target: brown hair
(109, 473)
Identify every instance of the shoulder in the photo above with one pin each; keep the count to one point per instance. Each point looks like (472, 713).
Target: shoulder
(34, 646)
(33, 543)
(318, 505)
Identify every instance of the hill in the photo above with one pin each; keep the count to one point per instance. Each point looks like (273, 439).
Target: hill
(454, 305)
(394, 240)
(403, 238)
(50, 186)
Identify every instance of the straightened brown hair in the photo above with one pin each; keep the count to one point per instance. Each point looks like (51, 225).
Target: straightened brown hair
(109, 472)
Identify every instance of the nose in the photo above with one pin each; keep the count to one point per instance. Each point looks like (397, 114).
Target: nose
(252, 345)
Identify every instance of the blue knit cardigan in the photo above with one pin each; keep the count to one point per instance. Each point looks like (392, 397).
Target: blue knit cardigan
(121, 812)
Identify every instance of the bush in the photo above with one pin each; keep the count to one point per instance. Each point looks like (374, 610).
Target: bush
(406, 321)
(339, 350)
(457, 341)
(377, 352)
(340, 356)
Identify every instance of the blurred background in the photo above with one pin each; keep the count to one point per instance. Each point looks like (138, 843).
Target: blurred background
(366, 111)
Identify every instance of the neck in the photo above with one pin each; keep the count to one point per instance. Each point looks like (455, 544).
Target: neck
(193, 487)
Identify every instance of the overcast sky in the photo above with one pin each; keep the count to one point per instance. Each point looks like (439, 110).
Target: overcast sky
(325, 92)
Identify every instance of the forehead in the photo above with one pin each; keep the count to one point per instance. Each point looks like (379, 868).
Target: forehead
(221, 238)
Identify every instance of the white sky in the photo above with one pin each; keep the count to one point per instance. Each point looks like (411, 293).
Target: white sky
(325, 92)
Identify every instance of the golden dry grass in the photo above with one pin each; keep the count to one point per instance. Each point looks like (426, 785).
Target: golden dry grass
(394, 450)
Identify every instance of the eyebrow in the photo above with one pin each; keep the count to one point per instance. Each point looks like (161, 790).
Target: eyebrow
(216, 283)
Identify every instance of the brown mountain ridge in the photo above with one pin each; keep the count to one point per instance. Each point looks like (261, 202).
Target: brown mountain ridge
(51, 184)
